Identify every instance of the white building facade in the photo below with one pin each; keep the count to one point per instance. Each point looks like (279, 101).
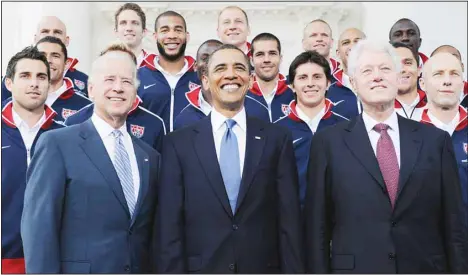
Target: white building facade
(90, 25)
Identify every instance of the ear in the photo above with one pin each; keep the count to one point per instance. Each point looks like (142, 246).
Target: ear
(353, 84)
(251, 81)
(248, 31)
(205, 83)
(187, 38)
(422, 84)
(463, 67)
(67, 41)
(8, 83)
(91, 91)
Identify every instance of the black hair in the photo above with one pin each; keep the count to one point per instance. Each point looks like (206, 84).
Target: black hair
(265, 37)
(54, 40)
(169, 13)
(30, 52)
(397, 45)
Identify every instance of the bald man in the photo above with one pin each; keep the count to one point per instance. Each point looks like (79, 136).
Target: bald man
(91, 188)
(455, 52)
(318, 36)
(53, 26)
(442, 79)
(341, 92)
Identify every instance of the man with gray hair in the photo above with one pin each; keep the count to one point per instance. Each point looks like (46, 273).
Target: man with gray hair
(90, 200)
(383, 192)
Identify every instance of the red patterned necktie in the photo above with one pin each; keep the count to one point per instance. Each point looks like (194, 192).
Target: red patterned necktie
(388, 162)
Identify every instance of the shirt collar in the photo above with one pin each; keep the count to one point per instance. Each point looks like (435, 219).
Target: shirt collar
(311, 121)
(181, 72)
(391, 121)
(347, 82)
(205, 107)
(449, 127)
(20, 123)
(218, 119)
(103, 128)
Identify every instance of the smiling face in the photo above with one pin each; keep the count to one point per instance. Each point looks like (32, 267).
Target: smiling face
(171, 37)
(130, 29)
(317, 36)
(310, 85)
(56, 59)
(406, 32)
(30, 84)
(409, 71)
(228, 79)
(375, 79)
(233, 28)
(443, 80)
(113, 86)
(266, 59)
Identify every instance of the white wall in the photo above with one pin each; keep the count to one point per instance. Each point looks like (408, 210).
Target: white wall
(440, 23)
(90, 25)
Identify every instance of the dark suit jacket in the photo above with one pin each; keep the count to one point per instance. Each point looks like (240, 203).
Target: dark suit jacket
(196, 230)
(75, 217)
(347, 203)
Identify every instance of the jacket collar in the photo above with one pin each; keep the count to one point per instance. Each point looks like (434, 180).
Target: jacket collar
(150, 59)
(280, 89)
(462, 123)
(293, 110)
(7, 116)
(421, 103)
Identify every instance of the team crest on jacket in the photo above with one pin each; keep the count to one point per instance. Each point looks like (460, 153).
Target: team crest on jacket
(192, 85)
(285, 109)
(80, 84)
(137, 130)
(67, 112)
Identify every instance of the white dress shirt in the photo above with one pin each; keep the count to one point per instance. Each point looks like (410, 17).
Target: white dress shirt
(311, 122)
(270, 96)
(240, 129)
(172, 79)
(105, 132)
(204, 106)
(28, 133)
(52, 97)
(393, 132)
(449, 127)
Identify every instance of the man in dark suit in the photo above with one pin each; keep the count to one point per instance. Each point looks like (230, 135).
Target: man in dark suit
(91, 188)
(383, 192)
(228, 197)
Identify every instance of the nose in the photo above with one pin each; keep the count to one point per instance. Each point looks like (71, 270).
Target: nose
(376, 76)
(230, 73)
(34, 82)
(447, 81)
(117, 86)
(405, 37)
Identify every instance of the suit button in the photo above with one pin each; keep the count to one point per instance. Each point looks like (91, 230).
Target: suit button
(391, 256)
(232, 267)
(235, 227)
(127, 268)
(393, 223)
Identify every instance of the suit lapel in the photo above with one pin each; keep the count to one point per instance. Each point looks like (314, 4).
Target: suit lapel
(204, 145)
(410, 146)
(94, 148)
(359, 144)
(255, 141)
(143, 168)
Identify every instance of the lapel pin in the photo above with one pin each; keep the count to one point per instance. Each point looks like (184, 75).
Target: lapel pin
(146, 159)
(257, 137)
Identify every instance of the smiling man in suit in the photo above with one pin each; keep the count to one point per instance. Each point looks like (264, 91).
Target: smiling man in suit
(91, 187)
(228, 200)
(383, 192)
